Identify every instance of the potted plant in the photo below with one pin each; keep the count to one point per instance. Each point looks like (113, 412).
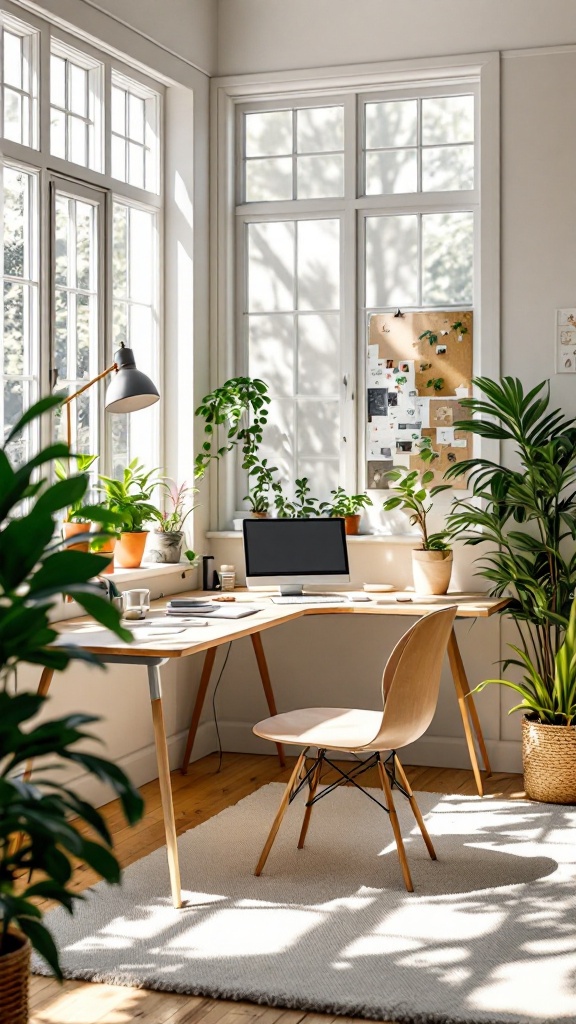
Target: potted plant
(525, 515)
(432, 561)
(39, 843)
(259, 496)
(348, 507)
(73, 523)
(130, 500)
(168, 537)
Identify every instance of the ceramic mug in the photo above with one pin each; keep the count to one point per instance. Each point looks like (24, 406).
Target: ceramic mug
(135, 603)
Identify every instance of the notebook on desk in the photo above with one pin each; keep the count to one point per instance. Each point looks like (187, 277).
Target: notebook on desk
(221, 611)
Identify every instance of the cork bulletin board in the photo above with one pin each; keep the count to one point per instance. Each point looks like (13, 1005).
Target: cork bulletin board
(419, 366)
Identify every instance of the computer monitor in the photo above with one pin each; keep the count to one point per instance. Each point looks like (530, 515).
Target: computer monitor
(292, 552)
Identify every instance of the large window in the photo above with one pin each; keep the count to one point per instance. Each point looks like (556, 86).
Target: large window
(346, 206)
(102, 215)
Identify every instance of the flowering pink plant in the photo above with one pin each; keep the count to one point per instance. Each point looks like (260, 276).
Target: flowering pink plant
(179, 507)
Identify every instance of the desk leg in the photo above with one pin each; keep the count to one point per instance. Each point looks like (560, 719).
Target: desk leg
(468, 712)
(267, 686)
(198, 705)
(165, 785)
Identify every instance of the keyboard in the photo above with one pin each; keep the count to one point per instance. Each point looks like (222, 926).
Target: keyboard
(309, 599)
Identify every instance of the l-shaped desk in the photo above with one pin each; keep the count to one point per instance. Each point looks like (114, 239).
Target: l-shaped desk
(153, 648)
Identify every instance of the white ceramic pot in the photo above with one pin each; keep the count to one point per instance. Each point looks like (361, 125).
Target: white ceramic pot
(165, 547)
(431, 571)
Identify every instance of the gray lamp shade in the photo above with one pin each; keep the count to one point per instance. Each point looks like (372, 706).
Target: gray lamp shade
(129, 389)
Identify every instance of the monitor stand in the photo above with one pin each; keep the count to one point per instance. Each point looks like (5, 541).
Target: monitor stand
(291, 589)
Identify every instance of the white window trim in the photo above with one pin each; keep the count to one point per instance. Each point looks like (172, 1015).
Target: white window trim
(230, 92)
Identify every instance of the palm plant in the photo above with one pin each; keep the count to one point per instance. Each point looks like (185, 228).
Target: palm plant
(411, 493)
(526, 514)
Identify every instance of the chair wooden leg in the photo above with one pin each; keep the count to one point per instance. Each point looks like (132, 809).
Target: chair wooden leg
(395, 827)
(278, 819)
(415, 809)
(308, 812)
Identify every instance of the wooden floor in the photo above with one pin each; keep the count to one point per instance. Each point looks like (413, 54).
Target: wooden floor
(197, 797)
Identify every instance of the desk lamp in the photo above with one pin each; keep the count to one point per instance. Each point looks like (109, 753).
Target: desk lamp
(129, 389)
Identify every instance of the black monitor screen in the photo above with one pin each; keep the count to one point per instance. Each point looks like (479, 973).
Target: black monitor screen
(295, 547)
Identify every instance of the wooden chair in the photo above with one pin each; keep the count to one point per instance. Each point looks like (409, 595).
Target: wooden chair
(410, 685)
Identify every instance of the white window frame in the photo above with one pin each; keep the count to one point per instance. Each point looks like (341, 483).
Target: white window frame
(152, 120)
(30, 33)
(96, 102)
(478, 73)
(52, 38)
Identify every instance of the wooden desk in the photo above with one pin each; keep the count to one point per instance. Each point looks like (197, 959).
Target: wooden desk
(154, 651)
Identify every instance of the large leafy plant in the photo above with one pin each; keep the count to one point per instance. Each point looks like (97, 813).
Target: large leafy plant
(240, 407)
(525, 514)
(35, 570)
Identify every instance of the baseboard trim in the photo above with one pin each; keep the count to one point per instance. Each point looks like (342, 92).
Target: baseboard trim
(237, 737)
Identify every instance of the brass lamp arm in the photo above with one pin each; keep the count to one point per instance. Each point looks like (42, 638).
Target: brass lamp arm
(80, 391)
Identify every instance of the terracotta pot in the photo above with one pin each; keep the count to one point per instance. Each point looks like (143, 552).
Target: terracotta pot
(107, 548)
(166, 547)
(431, 571)
(130, 549)
(549, 758)
(71, 529)
(259, 515)
(352, 524)
(14, 974)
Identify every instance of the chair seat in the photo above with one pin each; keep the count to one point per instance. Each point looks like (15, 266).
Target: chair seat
(328, 728)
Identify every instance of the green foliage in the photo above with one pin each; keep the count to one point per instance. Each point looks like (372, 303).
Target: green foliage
(429, 335)
(260, 494)
(241, 406)
(129, 498)
(553, 702)
(343, 504)
(35, 569)
(39, 813)
(411, 493)
(435, 382)
(526, 515)
(62, 471)
(302, 507)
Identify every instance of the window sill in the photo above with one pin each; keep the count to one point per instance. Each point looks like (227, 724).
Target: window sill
(161, 580)
(362, 538)
(148, 570)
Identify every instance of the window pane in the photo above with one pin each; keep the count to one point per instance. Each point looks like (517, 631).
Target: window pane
(119, 158)
(271, 266)
(141, 255)
(13, 394)
(61, 255)
(85, 214)
(58, 133)
(118, 110)
(319, 177)
(135, 118)
(84, 317)
(318, 432)
(120, 250)
(271, 347)
(15, 322)
(77, 141)
(318, 264)
(13, 58)
(324, 475)
(447, 168)
(278, 438)
(268, 133)
(135, 165)
(447, 119)
(13, 126)
(447, 258)
(318, 354)
(78, 90)
(268, 180)
(58, 81)
(16, 222)
(391, 171)
(119, 324)
(61, 334)
(392, 261)
(391, 124)
(319, 129)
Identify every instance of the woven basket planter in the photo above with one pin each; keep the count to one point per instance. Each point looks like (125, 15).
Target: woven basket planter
(14, 974)
(549, 756)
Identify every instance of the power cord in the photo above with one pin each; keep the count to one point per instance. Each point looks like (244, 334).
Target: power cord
(220, 752)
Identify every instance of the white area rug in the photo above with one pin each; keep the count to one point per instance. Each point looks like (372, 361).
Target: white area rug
(489, 935)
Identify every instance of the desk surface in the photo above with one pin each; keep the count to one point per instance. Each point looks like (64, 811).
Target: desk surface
(166, 642)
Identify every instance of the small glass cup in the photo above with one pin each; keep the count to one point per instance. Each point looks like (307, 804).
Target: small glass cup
(135, 603)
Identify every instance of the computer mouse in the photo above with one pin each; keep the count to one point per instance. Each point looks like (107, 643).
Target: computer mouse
(359, 597)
